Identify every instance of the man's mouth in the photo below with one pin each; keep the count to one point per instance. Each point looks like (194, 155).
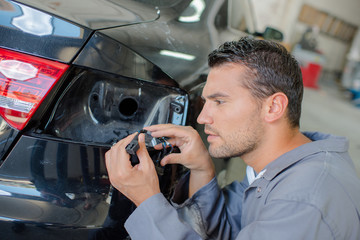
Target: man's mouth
(211, 135)
(212, 138)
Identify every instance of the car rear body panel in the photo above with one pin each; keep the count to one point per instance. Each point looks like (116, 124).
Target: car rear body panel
(54, 176)
(49, 186)
(53, 180)
(105, 54)
(38, 33)
(97, 14)
(169, 45)
(7, 137)
(57, 167)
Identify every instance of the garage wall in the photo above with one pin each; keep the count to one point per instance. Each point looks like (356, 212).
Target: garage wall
(335, 50)
(345, 9)
(284, 15)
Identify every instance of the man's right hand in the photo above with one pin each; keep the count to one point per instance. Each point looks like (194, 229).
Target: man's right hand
(193, 155)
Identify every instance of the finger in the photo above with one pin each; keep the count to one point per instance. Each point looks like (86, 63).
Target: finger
(157, 127)
(173, 158)
(159, 146)
(107, 161)
(107, 157)
(126, 140)
(115, 153)
(120, 159)
(110, 166)
(142, 153)
(162, 130)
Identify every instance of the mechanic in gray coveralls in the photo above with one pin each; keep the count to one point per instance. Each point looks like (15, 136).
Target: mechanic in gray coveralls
(305, 187)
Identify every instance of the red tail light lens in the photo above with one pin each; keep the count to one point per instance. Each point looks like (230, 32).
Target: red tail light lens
(24, 83)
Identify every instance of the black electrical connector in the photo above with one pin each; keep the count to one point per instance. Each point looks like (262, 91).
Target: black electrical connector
(150, 143)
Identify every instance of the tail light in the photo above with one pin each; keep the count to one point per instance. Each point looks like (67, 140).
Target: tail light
(25, 81)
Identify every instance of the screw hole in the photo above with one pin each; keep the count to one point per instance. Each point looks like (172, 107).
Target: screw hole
(128, 107)
(95, 97)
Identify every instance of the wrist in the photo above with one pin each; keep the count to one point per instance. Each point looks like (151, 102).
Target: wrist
(207, 169)
(199, 178)
(140, 199)
(203, 173)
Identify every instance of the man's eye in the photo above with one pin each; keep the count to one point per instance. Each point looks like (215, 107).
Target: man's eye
(219, 101)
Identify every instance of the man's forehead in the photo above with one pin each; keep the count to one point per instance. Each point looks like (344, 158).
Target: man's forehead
(224, 80)
(228, 71)
(219, 89)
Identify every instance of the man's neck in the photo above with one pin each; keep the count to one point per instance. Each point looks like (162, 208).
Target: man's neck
(273, 145)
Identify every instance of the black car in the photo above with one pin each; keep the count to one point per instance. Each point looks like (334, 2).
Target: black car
(75, 77)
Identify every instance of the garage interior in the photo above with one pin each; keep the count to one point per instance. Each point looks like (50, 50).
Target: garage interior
(324, 37)
(120, 64)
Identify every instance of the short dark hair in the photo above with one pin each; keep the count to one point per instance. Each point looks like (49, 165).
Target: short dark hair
(271, 69)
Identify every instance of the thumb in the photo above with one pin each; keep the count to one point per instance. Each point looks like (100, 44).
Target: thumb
(171, 159)
(142, 153)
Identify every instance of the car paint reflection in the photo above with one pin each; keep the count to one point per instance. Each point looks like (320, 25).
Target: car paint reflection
(61, 184)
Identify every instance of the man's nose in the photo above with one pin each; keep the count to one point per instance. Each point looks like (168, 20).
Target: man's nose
(204, 116)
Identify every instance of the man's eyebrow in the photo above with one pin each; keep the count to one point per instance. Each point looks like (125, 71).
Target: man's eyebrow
(215, 95)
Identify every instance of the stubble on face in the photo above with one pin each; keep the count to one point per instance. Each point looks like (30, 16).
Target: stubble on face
(234, 126)
(243, 140)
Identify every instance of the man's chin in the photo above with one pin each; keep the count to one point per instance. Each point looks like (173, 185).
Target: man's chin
(217, 152)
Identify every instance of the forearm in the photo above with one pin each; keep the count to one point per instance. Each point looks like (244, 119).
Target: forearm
(208, 211)
(156, 219)
(198, 179)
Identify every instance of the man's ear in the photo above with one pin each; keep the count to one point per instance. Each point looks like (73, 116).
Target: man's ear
(275, 107)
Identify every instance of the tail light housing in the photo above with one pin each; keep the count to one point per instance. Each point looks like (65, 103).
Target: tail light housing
(25, 81)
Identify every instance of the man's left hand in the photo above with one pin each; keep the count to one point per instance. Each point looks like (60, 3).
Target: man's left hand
(138, 182)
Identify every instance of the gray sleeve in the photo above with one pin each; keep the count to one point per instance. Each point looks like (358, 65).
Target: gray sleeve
(284, 219)
(209, 214)
(212, 212)
(156, 219)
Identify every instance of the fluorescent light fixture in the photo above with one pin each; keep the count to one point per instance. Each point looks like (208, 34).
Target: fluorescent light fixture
(177, 55)
(196, 7)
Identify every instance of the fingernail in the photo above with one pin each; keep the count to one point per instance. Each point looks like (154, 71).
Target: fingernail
(141, 137)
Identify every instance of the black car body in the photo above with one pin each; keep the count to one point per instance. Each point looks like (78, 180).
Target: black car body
(77, 76)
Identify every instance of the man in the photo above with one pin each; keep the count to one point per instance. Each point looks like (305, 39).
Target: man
(306, 186)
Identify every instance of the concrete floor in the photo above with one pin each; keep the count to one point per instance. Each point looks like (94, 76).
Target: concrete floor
(329, 109)
(326, 109)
